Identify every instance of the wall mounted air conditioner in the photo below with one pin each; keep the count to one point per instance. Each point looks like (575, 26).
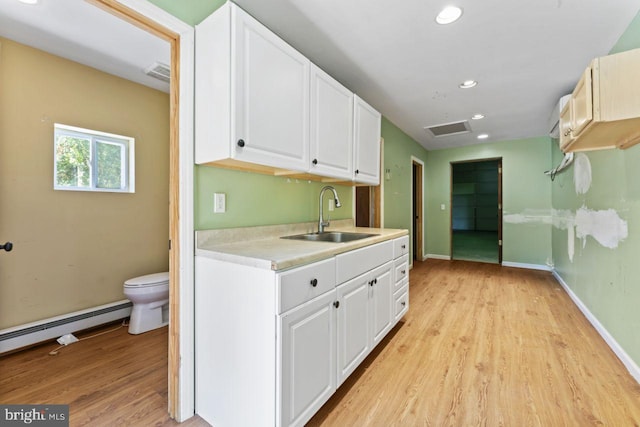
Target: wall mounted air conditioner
(554, 119)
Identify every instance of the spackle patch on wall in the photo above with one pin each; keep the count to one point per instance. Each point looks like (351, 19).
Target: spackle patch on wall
(605, 226)
(582, 173)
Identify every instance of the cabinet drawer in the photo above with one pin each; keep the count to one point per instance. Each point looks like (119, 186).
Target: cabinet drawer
(305, 283)
(401, 268)
(356, 262)
(400, 246)
(401, 301)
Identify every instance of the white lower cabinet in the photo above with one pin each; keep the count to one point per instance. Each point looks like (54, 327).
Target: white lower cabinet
(365, 315)
(272, 347)
(308, 360)
(354, 314)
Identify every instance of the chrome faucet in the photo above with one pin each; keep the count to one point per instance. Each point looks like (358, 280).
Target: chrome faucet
(321, 222)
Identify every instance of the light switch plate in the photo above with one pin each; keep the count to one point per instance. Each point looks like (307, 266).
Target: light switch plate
(219, 203)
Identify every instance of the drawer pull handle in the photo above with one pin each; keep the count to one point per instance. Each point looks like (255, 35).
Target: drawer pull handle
(403, 303)
(314, 282)
(314, 161)
(404, 271)
(241, 143)
(373, 282)
(336, 304)
(404, 246)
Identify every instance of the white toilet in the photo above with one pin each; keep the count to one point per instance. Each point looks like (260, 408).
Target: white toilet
(150, 297)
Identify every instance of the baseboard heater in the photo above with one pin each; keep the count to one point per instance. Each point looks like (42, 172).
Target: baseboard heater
(43, 330)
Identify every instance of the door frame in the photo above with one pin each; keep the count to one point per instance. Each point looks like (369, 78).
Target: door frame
(376, 197)
(181, 364)
(500, 204)
(417, 231)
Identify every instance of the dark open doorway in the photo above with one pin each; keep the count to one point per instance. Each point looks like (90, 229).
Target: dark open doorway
(476, 211)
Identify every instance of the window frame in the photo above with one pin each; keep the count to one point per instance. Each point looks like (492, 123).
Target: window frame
(127, 177)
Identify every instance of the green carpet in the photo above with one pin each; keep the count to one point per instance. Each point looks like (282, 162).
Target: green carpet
(475, 246)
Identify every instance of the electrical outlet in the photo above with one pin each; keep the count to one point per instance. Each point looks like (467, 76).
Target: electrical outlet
(442, 207)
(332, 204)
(219, 203)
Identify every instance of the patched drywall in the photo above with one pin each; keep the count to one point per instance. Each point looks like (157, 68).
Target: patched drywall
(605, 226)
(581, 173)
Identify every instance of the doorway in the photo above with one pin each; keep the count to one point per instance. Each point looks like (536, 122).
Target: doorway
(476, 210)
(368, 207)
(180, 203)
(417, 206)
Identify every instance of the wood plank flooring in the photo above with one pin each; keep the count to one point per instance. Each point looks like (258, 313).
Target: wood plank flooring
(482, 345)
(115, 379)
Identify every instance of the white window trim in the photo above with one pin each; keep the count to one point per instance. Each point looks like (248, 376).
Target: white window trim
(97, 136)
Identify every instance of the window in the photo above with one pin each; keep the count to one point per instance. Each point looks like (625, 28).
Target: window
(88, 160)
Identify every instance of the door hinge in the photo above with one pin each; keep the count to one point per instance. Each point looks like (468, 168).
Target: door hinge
(500, 242)
(169, 244)
(500, 170)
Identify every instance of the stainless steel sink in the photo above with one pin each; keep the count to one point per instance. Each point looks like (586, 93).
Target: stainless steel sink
(330, 236)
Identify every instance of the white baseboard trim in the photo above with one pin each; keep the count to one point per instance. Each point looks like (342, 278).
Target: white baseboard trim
(628, 362)
(436, 256)
(527, 266)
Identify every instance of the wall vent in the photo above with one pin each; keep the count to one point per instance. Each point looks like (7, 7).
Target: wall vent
(447, 129)
(159, 71)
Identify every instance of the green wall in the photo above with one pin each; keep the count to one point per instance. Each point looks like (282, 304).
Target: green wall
(190, 11)
(398, 151)
(606, 280)
(525, 188)
(255, 199)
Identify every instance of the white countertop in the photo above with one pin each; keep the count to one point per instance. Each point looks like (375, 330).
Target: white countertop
(262, 247)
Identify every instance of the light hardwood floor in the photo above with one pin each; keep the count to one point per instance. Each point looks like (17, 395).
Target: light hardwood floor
(481, 345)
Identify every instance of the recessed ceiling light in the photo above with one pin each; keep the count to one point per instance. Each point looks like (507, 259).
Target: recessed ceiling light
(29, 1)
(477, 116)
(483, 136)
(448, 15)
(467, 84)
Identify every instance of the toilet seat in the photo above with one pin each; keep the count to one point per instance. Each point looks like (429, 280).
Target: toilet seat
(148, 280)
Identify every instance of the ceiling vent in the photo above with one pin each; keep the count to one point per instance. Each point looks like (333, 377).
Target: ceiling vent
(159, 71)
(448, 129)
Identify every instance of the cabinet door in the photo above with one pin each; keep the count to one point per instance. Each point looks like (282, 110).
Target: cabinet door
(382, 304)
(308, 359)
(354, 343)
(366, 142)
(581, 104)
(271, 97)
(331, 140)
(566, 137)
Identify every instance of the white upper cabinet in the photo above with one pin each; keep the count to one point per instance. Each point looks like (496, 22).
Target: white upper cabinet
(331, 141)
(252, 94)
(262, 106)
(367, 122)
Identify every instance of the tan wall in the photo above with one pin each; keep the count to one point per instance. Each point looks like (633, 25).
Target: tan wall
(73, 250)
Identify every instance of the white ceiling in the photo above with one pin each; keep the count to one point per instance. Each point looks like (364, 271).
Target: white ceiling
(81, 32)
(524, 54)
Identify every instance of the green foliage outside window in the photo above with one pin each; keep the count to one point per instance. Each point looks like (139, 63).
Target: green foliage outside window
(109, 165)
(73, 157)
(92, 161)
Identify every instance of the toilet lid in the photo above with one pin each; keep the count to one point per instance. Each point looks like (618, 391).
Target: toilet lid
(148, 280)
